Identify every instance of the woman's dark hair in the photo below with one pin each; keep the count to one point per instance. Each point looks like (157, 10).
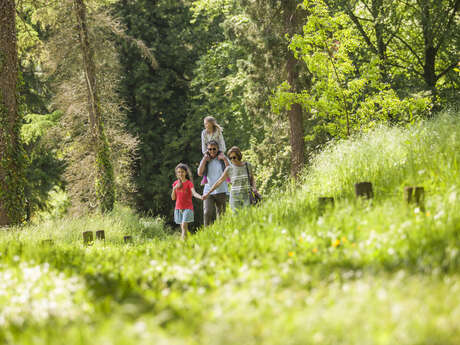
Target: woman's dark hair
(236, 150)
(188, 172)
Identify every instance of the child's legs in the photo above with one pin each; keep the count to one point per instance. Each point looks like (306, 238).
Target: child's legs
(187, 217)
(184, 227)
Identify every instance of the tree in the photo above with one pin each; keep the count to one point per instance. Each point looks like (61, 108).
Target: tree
(59, 68)
(293, 19)
(105, 186)
(349, 92)
(11, 160)
(159, 99)
(277, 21)
(415, 40)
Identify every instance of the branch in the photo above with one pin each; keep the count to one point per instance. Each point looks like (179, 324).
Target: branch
(360, 28)
(408, 47)
(364, 19)
(409, 67)
(117, 28)
(408, 4)
(392, 34)
(454, 64)
(26, 25)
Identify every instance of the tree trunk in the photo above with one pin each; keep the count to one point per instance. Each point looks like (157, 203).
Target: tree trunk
(377, 13)
(105, 189)
(429, 73)
(11, 171)
(296, 131)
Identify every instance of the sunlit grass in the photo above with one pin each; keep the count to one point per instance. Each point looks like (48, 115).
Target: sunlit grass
(360, 272)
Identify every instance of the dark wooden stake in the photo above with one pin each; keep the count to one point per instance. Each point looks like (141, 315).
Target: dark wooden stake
(364, 189)
(100, 235)
(128, 239)
(325, 201)
(88, 237)
(415, 195)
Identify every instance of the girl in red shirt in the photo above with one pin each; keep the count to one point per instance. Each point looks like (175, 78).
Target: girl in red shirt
(182, 192)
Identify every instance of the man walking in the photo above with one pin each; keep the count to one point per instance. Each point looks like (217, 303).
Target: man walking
(212, 166)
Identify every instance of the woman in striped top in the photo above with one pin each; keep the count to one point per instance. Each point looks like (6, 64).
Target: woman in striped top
(237, 171)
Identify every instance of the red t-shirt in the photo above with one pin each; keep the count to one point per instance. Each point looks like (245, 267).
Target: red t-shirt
(184, 195)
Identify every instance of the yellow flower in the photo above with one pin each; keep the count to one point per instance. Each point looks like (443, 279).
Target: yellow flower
(315, 250)
(336, 243)
(300, 239)
(344, 239)
(428, 213)
(291, 254)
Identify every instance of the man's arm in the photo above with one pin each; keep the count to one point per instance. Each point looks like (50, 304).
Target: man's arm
(224, 158)
(203, 163)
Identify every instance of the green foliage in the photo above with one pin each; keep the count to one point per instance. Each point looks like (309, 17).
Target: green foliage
(160, 100)
(12, 184)
(36, 126)
(105, 181)
(348, 93)
(414, 40)
(225, 58)
(236, 76)
(44, 168)
(356, 273)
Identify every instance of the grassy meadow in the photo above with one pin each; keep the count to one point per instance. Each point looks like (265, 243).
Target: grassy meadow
(375, 271)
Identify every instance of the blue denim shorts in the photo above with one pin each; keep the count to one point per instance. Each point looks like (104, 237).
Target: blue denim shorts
(183, 216)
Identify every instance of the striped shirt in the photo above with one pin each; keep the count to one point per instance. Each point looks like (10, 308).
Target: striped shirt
(239, 179)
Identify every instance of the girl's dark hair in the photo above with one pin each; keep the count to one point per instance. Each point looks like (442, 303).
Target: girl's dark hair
(236, 150)
(188, 172)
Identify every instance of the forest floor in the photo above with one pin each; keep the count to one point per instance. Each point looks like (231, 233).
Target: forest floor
(360, 271)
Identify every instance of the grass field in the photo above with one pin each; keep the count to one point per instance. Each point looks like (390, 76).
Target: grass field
(288, 272)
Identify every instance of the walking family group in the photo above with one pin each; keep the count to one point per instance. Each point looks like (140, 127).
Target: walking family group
(217, 171)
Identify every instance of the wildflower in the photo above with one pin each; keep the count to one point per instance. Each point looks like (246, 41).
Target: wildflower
(300, 239)
(291, 254)
(315, 250)
(336, 243)
(428, 213)
(344, 239)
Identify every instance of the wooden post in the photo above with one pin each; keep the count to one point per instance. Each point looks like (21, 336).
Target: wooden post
(88, 237)
(128, 239)
(323, 202)
(415, 195)
(364, 189)
(100, 235)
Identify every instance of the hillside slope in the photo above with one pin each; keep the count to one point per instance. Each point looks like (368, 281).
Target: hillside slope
(374, 271)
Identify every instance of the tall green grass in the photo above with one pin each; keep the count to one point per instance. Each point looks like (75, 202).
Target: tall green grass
(361, 272)
(427, 154)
